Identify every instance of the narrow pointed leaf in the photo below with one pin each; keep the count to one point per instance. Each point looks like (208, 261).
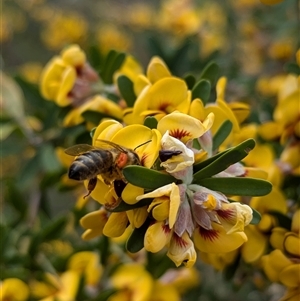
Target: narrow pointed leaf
(202, 90)
(125, 86)
(237, 186)
(151, 122)
(230, 157)
(222, 134)
(146, 178)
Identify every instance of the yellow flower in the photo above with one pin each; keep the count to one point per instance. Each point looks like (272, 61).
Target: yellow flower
(67, 79)
(97, 104)
(94, 222)
(179, 17)
(87, 263)
(164, 292)
(133, 283)
(14, 289)
(66, 286)
(217, 239)
(219, 260)
(64, 28)
(110, 37)
(182, 250)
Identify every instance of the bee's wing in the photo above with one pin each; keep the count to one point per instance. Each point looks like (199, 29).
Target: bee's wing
(114, 145)
(78, 149)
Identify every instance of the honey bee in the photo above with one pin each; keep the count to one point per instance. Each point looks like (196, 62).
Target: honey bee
(92, 161)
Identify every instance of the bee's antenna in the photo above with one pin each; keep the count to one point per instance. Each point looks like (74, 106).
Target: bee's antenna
(142, 144)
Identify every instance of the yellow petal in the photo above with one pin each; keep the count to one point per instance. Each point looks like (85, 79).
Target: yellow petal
(292, 244)
(181, 250)
(91, 234)
(66, 84)
(256, 246)
(274, 263)
(157, 237)
(161, 211)
(265, 203)
(14, 289)
(73, 55)
(130, 193)
(116, 224)
(277, 238)
(105, 130)
(184, 127)
(167, 95)
(240, 110)
(157, 69)
(217, 240)
(164, 292)
(94, 220)
(137, 216)
(197, 109)
(270, 130)
(290, 276)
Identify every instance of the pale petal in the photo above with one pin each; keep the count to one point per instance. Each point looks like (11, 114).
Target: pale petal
(181, 250)
(178, 162)
(181, 126)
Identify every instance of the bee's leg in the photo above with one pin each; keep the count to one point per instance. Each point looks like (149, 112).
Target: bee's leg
(91, 186)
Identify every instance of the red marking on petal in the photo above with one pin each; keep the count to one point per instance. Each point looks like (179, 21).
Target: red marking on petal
(163, 106)
(166, 229)
(226, 214)
(143, 159)
(208, 234)
(180, 133)
(179, 241)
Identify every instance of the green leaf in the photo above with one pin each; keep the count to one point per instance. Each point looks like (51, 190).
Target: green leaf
(48, 158)
(150, 122)
(202, 90)
(113, 62)
(211, 73)
(54, 229)
(292, 68)
(136, 240)
(230, 270)
(125, 207)
(228, 158)
(222, 133)
(146, 178)
(256, 217)
(105, 294)
(94, 56)
(126, 89)
(237, 186)
(94, 116)
(283, 220)
(190, 80)
(30, 170)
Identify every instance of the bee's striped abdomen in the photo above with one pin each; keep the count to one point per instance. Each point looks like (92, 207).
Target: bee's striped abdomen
(88, 165)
